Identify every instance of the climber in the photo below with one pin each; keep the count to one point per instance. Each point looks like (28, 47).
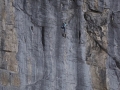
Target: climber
(63, 27)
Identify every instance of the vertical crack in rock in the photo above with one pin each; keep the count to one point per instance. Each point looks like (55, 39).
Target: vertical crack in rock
(43, 37)
(79, 36)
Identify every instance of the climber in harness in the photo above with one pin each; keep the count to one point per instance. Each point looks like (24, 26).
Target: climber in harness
(63, 27)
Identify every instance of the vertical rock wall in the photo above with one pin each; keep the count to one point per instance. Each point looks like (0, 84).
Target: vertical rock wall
(35, 55)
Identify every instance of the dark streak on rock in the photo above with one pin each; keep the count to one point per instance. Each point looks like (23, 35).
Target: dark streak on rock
(43, 37)
(6, 50)
(79, 36)
(117, 64)
(24, 4)
(95, 11)
(31, 27)
(3, 65)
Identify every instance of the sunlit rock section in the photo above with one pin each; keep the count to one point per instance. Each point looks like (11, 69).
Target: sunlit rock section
(97, 28)
(36, 56)
(9, 76)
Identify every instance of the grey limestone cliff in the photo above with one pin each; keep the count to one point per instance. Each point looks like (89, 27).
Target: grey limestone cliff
(35, 56)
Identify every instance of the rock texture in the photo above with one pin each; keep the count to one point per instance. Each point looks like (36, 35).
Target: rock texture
(35, 56)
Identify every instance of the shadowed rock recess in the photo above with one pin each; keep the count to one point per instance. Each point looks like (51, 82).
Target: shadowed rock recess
(35, 56)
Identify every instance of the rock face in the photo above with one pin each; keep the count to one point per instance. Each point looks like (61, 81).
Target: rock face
(35, 56)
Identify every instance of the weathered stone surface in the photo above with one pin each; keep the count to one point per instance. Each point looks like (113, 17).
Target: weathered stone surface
(35, 56)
